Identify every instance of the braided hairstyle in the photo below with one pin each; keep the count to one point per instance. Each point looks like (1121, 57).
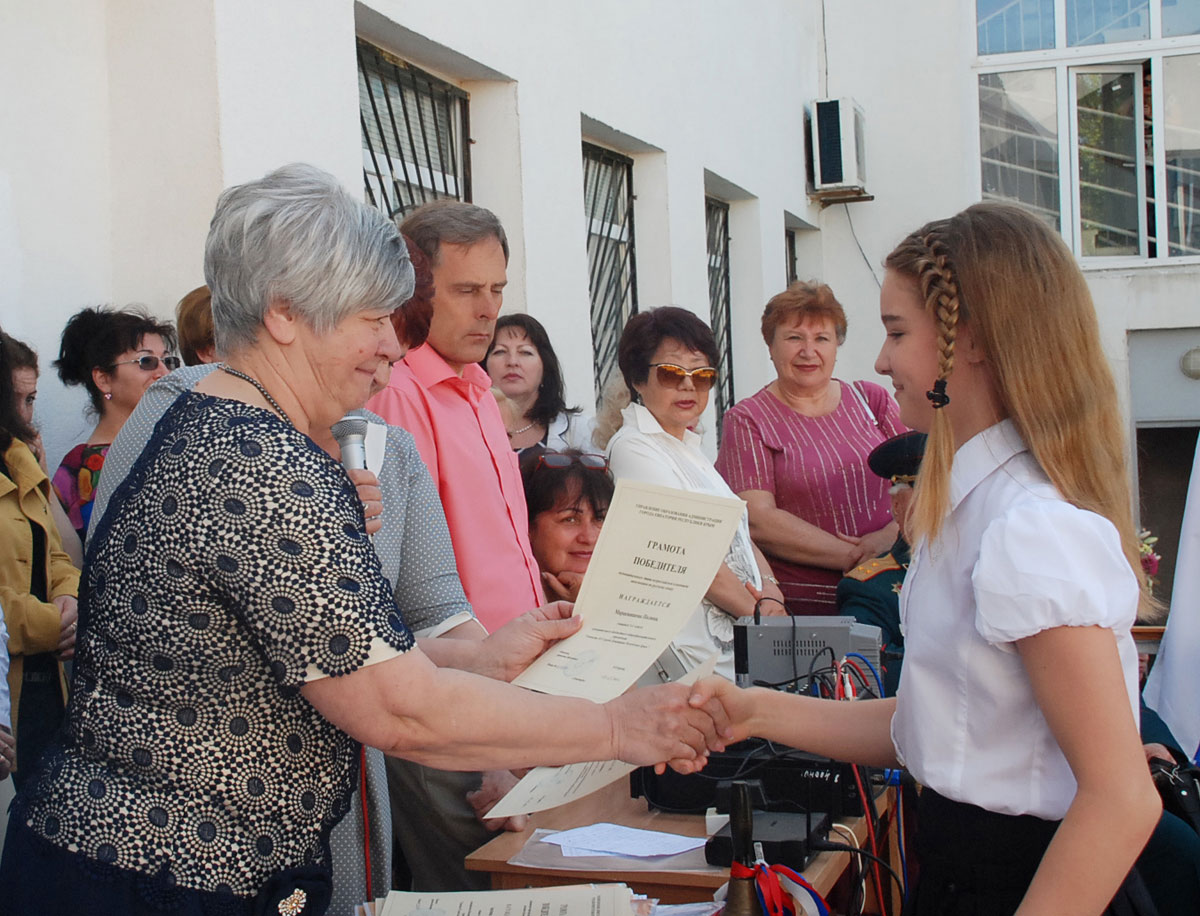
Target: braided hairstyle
(925, 257)
(1000, 269)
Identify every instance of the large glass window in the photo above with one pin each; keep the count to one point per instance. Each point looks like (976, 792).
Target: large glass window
(1110, 165)
(414, 134)
(1181, 122)
(1104, 144)
(1101, 22)
(1018, 139)
(1014, 25)
(608, 210)
(1181, 17)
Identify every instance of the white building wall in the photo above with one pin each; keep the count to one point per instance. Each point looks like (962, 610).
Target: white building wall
(674, 77)
(123, 119)
(911, 75)
(55, 183)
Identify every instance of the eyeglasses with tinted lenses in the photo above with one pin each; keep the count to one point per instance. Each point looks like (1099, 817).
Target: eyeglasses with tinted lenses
(150, 363)
(559, 461)
(672, 376)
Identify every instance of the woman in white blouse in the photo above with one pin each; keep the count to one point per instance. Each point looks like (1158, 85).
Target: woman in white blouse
(667, 356)
(1017, 706)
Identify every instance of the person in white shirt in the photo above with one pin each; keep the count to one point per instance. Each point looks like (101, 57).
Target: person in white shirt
(667, 357)
(1017, 705)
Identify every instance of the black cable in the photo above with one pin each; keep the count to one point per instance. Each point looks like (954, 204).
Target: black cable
(869, 808)
(866, 260)
(758, 608)
(794, 681)
(827, 846)
(812, 662)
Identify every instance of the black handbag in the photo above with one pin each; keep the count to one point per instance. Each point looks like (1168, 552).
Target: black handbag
(1179, 786)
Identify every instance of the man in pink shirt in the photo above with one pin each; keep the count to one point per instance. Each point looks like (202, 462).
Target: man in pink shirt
(442, 397)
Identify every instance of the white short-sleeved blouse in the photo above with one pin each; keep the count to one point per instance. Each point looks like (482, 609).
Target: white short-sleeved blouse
(1013, 559)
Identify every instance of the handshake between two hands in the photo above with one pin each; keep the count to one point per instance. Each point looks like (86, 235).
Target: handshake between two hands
(670, 724)
(676, 725)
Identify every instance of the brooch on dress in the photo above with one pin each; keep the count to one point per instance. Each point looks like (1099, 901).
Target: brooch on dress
(293, 905)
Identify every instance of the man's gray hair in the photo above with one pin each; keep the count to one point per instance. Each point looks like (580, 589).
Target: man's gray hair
(451, 222)
(297, 236)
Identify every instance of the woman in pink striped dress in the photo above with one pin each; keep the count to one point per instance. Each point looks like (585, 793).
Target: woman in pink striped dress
(797, 453)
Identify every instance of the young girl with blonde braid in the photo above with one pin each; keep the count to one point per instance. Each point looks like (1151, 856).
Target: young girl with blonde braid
(1017, 705)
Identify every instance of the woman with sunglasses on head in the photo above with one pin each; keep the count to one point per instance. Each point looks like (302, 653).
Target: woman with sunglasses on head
(668, 356)
(115, 354)
(524, 368)
(567, 493)
(797, 453)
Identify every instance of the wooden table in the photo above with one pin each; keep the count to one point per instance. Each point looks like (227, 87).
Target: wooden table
(613, 804)
(1148, 639)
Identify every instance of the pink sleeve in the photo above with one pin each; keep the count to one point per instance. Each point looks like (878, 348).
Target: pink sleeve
(885, 409)
(403, 407)
(745, 460)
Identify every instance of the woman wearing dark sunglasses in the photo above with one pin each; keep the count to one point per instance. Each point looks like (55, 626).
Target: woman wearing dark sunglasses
(116, 354)
(668, 358)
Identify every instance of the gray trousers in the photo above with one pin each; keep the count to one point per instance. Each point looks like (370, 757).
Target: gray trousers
(435, 825)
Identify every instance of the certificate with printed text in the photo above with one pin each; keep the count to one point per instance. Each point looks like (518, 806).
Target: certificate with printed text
(656, 556)
(548, 787)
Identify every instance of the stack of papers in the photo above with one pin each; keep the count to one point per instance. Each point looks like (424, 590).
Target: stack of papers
(615, 840)
(572, 900)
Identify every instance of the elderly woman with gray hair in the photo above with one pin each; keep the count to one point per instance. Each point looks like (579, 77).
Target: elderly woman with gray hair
(237, 637)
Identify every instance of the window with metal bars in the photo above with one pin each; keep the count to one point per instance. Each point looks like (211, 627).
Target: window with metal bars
(414, 134)
(789, 253)
(612, 272)
(716, 222)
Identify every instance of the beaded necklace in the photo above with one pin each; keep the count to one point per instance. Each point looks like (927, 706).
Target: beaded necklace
(261, 390)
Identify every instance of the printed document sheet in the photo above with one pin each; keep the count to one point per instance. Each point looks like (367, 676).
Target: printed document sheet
(655, 558)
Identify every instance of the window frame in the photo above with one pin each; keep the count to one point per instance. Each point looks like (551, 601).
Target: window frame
(720, 300)
(609, 313)
(385, 174)
(1065, 62)
(1076, 240)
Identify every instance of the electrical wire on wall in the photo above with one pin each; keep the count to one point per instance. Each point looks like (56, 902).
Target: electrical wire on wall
(866, 260)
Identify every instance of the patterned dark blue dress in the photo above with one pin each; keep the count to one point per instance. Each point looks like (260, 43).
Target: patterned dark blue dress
(231, 567)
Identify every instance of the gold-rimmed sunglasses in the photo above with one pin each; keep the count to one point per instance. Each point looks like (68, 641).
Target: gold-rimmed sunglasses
(671, 376)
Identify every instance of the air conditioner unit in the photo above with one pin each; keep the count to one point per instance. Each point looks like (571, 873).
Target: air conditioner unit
(838, 146)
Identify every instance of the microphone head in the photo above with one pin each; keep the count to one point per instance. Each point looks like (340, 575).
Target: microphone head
(350, 425)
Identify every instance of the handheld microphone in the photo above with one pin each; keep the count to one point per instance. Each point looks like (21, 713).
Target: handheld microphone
(351, 435)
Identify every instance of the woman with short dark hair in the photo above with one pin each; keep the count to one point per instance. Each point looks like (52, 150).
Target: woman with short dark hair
(567, 494)
(668, 357)
(115, 354)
